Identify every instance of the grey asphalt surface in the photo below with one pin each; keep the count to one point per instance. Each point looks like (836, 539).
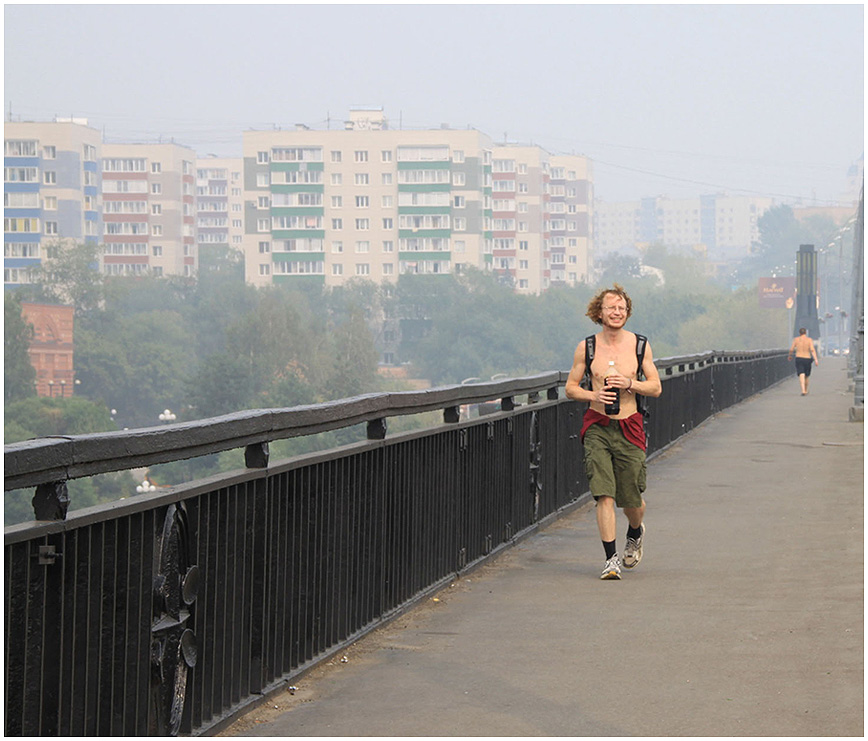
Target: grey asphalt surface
(745, 617)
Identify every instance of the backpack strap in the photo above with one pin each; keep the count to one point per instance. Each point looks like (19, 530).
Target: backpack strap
(641, 341)
(590, 346)
(641, 403)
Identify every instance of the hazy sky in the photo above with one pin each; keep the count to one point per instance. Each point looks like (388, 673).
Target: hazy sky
(666, 99)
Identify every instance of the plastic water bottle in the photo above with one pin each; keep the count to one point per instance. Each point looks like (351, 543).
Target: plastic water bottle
(615, 406)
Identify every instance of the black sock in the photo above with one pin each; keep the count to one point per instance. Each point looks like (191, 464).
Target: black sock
(634, 532)
(610, 548)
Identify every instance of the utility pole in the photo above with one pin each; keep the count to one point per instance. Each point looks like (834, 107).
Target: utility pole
(806, 292)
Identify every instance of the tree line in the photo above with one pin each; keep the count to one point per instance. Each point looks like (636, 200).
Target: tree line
(217, 345)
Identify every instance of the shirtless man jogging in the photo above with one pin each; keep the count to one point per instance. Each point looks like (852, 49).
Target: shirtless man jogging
(803, 347)
(614, 445)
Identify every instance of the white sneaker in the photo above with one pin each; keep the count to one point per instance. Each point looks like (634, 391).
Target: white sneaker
(633, 549)
(612, 569)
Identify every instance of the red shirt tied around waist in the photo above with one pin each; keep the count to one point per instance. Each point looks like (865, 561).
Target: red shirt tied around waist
(633, 426)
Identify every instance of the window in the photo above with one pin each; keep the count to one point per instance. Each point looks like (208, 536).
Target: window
(386, 155)
(262, 202)
(264, 269)
(337, 269)
(460, 223)
(158, 250)
(264, 247)
(522, 187)
(522, 245)
(16, 148)
(156, 189)
(157, 271)
(49, 177)
(363, 269)
(458, 156)
(122, 164)
(337, 178)
(337, 247)
(386, 178)
(363, 201)
(522, 264)
(337, 224)
(262, 180)
(296, 154)
(388, 268)
(363, 225)
(262, 158)
(388, 223)
(388, 245)
(363, 246)
(336, 156)
(20, 174)
(49, 152)
(362, 178)
(459, 202)
(361, 155)
(156, 230)
(523, 283)
(337, 201)
(263, 225)
(51, 227)
(156, 209)
(458, 178)
(21, 249)
(388, 201)
(156, 167)
(49, 203)
(458, 245)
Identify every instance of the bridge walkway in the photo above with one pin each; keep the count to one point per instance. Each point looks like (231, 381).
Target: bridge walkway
(745, 617)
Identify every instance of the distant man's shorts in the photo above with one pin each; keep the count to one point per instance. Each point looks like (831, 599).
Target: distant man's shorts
(615, 467)
(803, 365)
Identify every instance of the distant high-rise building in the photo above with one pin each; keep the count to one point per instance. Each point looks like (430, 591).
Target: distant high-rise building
(149, 202)
(721, 226)
(51, 191)
(368, 201)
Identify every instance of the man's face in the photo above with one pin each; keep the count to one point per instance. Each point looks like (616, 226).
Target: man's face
(614, 311)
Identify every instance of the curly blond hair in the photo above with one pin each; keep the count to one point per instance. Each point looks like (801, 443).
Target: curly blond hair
(595, 307)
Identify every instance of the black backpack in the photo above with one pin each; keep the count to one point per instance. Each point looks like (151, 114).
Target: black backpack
(641, 341)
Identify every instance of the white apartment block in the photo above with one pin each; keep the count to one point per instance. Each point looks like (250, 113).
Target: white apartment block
(720, 226)
(370, 202)
(51, 191)
(149, 209)
(219, 205)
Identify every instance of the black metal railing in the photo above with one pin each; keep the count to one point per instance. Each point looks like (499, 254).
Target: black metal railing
(172, 612)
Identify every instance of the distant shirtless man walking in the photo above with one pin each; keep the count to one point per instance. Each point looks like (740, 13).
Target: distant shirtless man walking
(803, 347)
(614, 445)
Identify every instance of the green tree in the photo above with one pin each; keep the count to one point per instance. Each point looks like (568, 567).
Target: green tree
(41, 416)
(19, 376)
(69, 274)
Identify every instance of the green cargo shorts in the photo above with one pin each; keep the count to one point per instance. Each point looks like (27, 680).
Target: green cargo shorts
(615, 467)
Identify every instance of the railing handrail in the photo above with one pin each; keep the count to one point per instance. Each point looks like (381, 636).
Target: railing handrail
(60, 458)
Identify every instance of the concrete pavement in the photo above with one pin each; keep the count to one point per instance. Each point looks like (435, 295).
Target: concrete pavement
(745, 617)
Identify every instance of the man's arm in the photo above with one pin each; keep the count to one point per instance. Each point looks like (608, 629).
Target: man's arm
(814, 353)
(792, 350)
(651, 386)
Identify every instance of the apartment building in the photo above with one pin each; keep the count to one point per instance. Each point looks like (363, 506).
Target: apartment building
(51, 191)
(149, 209)
(368, 201)
(219, 206)
(723, 227)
